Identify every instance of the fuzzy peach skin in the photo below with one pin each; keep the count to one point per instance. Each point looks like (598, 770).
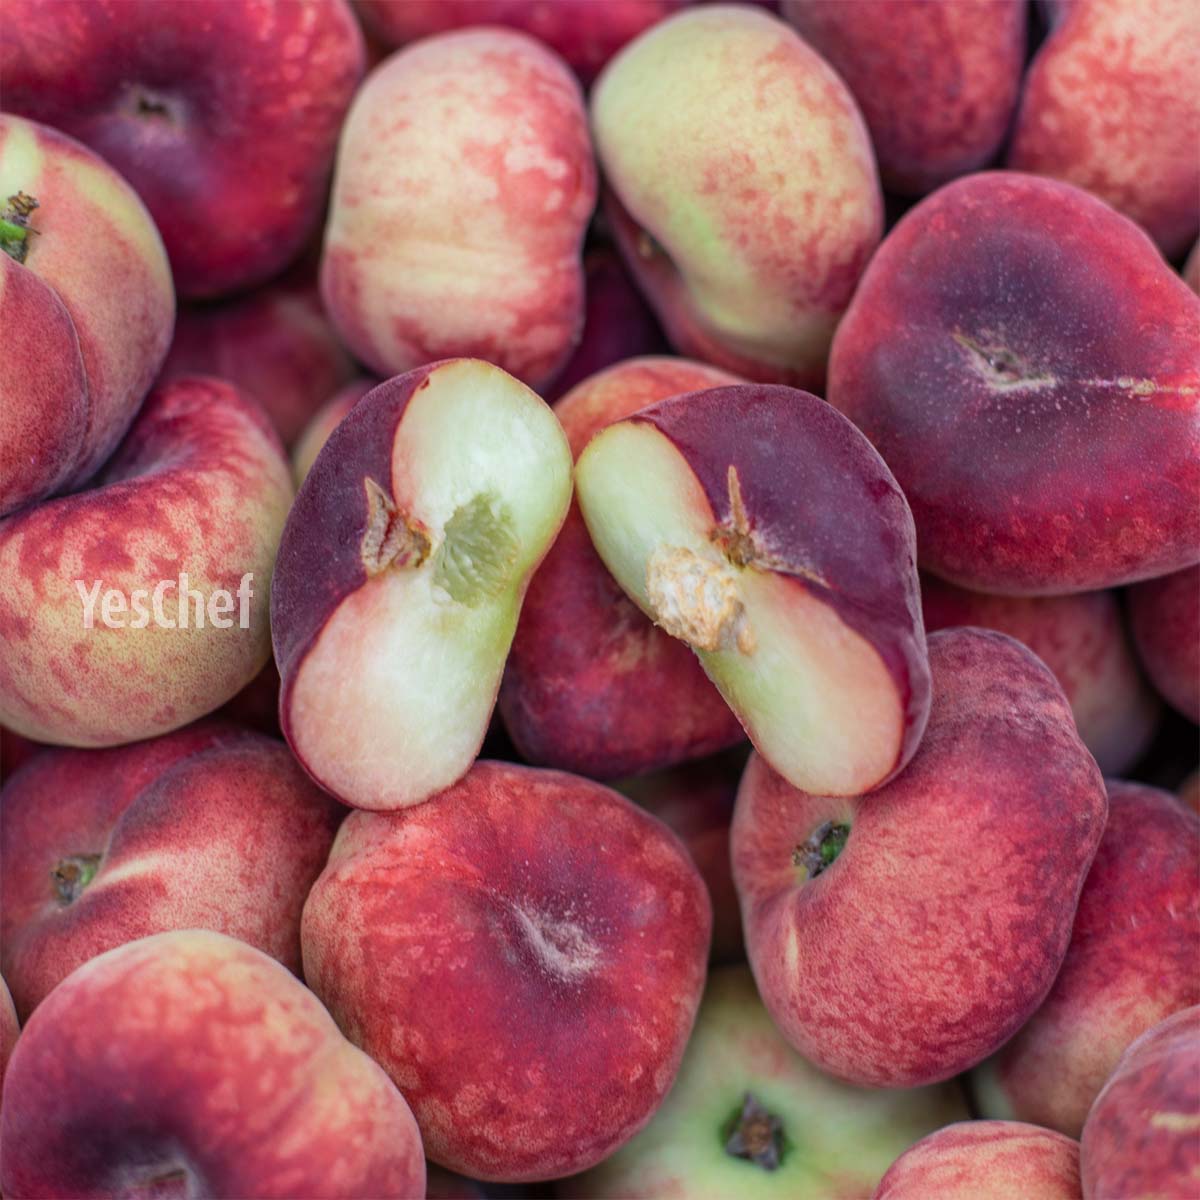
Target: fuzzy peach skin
(323, 422)
(937, 83)
(1164, 615)
(1110, 104)
(585, 33)
(901, 937)
(275, 345)
(190, 1064)
(1002, 1160)
(224, 117)
(1141, 1137)
(464, 186)
(9, 1029)
(524, 955)
(591, 685)
(1191, 269)
(86, 304)
(1082, 639)
(749, 1118)
(1134, 959)
(200, 487)
(741, 186)
(1019, 353)
(210, 827)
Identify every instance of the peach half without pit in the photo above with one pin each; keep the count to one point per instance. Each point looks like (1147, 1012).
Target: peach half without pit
(401, 573)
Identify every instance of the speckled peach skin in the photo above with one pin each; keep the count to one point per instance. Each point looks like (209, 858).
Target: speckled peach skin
(1028, 367)
(524, 955)
(1082, 639)
(224, 117)
(9, 1029)
(200, 486)
(211, 827)
(940, 927)
(741, 186)
(937, 83)
(1164, 615)
(591, 685)
(585, 33)
(275, 345)
(463, 189)
(1002, 1160)
(1140, 1137)
(323, 422)
(87, 315)
(1134, 959)
(1110, 104)
(189, 1064)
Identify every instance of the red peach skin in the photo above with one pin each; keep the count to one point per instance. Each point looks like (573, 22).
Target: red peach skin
(524, 955)
(224, 117)
(191, 1064)
(591, 685)
(586, 33)
(200, 487)
(1141, 1135)
(938, 929)
(1110, 104)
(463, 190)
(1002, 1160)
(937, 82)
(1164, 615)
(211, 827)
(9, 1029)
(324, 421)
(1019, 354)
(86, 305)
(1082, 639)
(1134, 959)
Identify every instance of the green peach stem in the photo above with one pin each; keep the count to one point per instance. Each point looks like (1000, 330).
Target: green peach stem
(819, 852)
(73, 874)
(756, 1135)
(13, 239)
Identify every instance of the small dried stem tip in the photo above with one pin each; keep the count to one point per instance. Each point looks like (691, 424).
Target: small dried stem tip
(14, 226)
(757, 1135)
(819, 852)
(72, 875)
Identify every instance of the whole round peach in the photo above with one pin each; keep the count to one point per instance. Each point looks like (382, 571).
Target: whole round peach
(1164, 615)
(585, 33)
(191, 1064)
(524, 955)
(1140, 1136)
(463, 190)
(85, 302)
(937, 83)
(1110, 104)
(1134, 959)
(591, 684)
(210, 827)
(1028, 367)
(742, 188)
(224, 117)
(140, 604)
(1002, 1160)
(1082, 639)
(749, 1117)
(900, 937)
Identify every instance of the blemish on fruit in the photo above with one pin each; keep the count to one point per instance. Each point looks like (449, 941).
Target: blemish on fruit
(1000, 367)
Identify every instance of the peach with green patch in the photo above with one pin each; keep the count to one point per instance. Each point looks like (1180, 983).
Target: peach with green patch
(1002, 1160)
(1134, 959)
(741, 187)
(524, 955)
(190, 1064)
(901, 937)
(199, 487)
(210, 827)
(86, 304)
(401, 573)
(463, 189)
(749, 1117)
(1082, 639)
(1020, 355)
(1142, 1136)
(759, 527)
(591, 685)
(1110, 104)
